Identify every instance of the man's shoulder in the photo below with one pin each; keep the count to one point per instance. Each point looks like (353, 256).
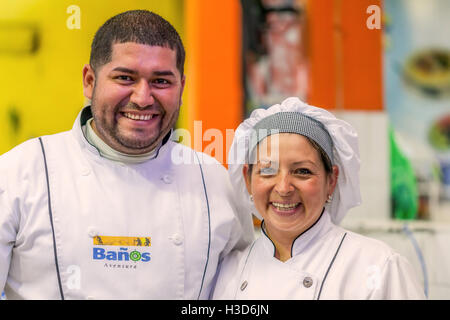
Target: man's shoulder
(29, 149)
(181, 154)
(190, 160)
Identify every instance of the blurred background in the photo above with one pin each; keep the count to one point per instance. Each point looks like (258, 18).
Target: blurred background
(383, 66)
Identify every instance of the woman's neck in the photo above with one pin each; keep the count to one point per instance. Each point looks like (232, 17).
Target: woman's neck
(282, 251)
(282, 245)
(283, 241)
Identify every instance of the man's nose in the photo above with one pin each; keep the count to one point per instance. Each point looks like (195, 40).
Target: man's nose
(142, 94)
(283, 185)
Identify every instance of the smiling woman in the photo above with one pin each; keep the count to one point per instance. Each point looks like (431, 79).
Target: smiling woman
(289, 194)
(296, 167)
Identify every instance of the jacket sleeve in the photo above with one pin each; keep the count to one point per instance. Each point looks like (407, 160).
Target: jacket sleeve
(241, 233)
(8, 230)
(398, 281)
(244, 231)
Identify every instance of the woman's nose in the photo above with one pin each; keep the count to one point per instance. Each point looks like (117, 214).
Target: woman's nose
(283, 185)
(142, 95)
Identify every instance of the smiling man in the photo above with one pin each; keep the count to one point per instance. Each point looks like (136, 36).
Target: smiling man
(101, 211)
(135, 100)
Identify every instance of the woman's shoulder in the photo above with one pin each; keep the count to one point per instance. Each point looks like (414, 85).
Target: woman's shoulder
(370, 269)
(359, 240)
(369, 249)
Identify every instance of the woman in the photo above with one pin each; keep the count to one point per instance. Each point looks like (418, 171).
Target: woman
(298, 166)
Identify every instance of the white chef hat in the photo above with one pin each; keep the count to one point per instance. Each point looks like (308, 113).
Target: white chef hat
(344, 148)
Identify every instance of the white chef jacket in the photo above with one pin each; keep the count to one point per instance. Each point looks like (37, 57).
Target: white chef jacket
(67, 216)
(327, 262)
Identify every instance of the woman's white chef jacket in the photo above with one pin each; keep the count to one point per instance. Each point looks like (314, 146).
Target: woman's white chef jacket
(327, 262)
(53, 213)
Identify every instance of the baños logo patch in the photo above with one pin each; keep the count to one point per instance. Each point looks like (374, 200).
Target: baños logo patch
(122, 241)
(122, 257)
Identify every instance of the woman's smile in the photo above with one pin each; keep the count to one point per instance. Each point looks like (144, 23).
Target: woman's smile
(285, 208)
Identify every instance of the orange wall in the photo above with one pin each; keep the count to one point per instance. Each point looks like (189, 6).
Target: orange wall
(213, 46)
(322, 78)
(345, 56)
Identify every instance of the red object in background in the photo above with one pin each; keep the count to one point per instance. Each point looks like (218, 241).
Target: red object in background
(287, 63)
(279, 69)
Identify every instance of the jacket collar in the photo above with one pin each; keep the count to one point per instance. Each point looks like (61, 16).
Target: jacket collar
(304, 240)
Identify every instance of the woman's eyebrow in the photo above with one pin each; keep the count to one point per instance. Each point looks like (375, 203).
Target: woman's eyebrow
(304, 162)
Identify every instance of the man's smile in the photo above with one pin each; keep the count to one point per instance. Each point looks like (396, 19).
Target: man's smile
(135, 116)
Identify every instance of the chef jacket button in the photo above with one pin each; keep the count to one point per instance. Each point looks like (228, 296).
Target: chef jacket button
(244, 285)
(166, 178)
(92, 232)
(307, 282)
(177, 239)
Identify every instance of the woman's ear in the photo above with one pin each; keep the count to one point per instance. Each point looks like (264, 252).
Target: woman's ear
(246, 171)
(333, 178)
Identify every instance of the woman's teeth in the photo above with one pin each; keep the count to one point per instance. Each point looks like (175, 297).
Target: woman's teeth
(137, 117)
(285, 206)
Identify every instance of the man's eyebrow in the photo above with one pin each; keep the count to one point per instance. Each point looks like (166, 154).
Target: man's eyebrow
(126, 70)
(164, 73)
(156, 73)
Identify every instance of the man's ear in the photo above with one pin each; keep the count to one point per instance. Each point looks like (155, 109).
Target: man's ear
(247, 177)
(88, 81)
(183, 82)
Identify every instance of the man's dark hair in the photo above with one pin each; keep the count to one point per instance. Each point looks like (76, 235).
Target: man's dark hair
(139, 26)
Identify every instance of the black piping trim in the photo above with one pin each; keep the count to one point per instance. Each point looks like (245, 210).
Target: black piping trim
(248, 255)
(51, 221)
(329, 267)
(264, 231)
(245, 266)
(209, 226)
(292, 245)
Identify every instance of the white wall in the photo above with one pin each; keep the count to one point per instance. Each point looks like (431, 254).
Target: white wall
(372, 128)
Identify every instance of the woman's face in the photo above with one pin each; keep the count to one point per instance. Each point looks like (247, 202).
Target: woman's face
(289, 184)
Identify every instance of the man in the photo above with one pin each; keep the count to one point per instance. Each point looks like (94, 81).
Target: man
(102, 211)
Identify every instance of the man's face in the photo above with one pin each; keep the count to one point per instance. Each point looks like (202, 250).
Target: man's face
(136, 96)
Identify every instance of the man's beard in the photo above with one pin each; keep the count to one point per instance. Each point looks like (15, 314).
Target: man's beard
(111, 131)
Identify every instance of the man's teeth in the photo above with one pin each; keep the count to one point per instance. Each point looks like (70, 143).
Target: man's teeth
(138, 117)
(285, 206)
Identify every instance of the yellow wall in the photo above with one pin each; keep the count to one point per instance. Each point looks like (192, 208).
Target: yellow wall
(43, 90)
